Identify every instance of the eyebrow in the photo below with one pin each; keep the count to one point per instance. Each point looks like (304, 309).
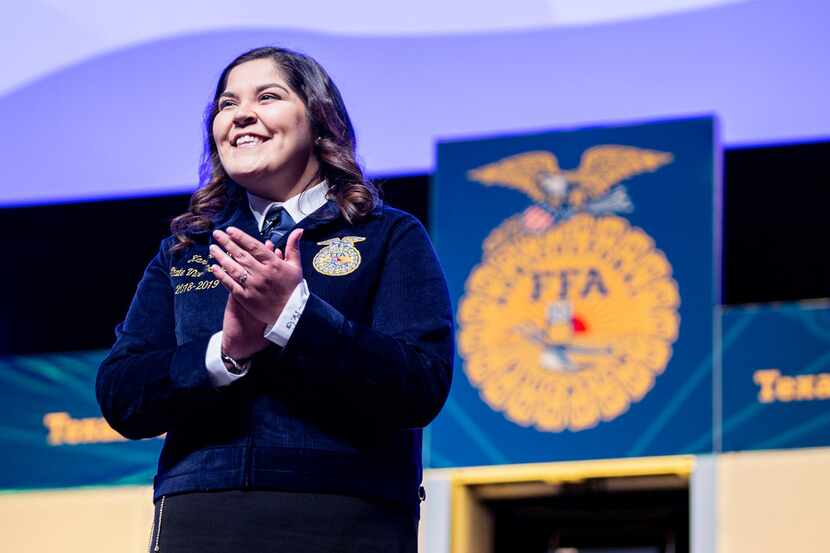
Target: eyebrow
(259, 89)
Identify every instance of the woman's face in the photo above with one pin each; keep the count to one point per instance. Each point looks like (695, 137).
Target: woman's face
(262, 132)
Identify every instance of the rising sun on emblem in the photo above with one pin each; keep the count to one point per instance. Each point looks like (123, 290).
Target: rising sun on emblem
(572, 312)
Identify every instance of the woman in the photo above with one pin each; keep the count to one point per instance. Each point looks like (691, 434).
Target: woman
(292, 369)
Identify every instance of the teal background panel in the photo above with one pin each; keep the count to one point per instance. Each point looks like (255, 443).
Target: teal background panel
(34, 385)
(793, 339)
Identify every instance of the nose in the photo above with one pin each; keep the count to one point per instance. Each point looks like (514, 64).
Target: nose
(243, 117)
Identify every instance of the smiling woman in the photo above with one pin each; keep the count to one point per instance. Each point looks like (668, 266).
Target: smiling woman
(292, 336)
(262, 132)
(321, 115)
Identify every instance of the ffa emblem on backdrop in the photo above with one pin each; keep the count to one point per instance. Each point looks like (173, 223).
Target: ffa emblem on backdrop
(572, 312)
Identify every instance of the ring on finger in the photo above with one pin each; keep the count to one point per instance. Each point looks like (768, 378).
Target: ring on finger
(242, 278)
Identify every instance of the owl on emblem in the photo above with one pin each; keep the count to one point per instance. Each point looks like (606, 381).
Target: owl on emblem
(556, 338)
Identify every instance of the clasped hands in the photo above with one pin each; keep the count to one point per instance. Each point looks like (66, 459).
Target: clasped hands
(259, 279)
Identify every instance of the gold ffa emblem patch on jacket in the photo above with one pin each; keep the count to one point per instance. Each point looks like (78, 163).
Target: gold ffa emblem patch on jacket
(572, 313)
(339, 257)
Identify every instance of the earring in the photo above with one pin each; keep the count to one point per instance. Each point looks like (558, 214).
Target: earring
(318, 140)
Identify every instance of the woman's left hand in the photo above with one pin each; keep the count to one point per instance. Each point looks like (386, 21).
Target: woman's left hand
(259, 277)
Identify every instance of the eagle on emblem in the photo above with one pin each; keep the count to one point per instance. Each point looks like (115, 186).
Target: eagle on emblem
(345, 239)
(589, 188)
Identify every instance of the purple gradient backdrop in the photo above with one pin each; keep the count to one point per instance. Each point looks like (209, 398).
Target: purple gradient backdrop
(128, 122)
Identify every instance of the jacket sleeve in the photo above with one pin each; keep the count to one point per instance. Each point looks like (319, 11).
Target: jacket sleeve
(396, 371)
(148, 381)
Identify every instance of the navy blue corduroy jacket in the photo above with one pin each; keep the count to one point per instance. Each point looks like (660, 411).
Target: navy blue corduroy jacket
(338, 410)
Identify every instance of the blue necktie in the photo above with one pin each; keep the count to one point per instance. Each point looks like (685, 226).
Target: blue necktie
(277, 222)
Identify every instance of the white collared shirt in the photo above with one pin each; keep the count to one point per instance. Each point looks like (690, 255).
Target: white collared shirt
(299, 207)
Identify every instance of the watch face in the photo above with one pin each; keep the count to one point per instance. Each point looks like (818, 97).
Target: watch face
(232, 365)
(234, 370)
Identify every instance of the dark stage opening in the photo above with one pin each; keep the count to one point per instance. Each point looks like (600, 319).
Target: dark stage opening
(640, 514)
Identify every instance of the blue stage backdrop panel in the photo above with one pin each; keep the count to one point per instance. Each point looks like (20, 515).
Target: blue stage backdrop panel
(776, 376)
(52, 432)
(581, 268)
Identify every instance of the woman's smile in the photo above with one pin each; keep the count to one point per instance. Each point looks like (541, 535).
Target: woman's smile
(247, 141)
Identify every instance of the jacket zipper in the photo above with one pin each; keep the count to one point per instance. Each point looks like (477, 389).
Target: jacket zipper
(158, 526)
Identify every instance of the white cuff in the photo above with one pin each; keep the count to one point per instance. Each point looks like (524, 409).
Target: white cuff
(280, 332)
(217, 371)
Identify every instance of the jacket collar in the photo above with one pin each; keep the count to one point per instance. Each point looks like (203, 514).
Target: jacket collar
(237, 213)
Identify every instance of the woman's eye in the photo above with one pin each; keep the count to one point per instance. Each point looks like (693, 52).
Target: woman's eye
(269, 96)
(224, 104)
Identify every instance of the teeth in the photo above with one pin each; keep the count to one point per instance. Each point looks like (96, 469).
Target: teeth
(248, 140)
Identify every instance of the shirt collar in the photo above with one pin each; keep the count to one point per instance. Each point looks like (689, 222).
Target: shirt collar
(299, 206)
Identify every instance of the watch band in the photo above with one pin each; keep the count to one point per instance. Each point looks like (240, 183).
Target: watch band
(235, 366)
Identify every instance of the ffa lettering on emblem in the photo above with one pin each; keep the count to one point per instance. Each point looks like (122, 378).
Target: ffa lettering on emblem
(339, 257)
(572, 312)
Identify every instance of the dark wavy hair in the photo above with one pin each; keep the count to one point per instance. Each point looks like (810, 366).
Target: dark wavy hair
(334, 146)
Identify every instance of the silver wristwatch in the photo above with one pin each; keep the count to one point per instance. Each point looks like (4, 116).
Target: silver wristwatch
(235, 366)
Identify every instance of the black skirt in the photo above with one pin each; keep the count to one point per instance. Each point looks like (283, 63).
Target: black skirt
(270, 521)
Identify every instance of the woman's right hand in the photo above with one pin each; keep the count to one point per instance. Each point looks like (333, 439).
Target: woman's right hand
(242, 333)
